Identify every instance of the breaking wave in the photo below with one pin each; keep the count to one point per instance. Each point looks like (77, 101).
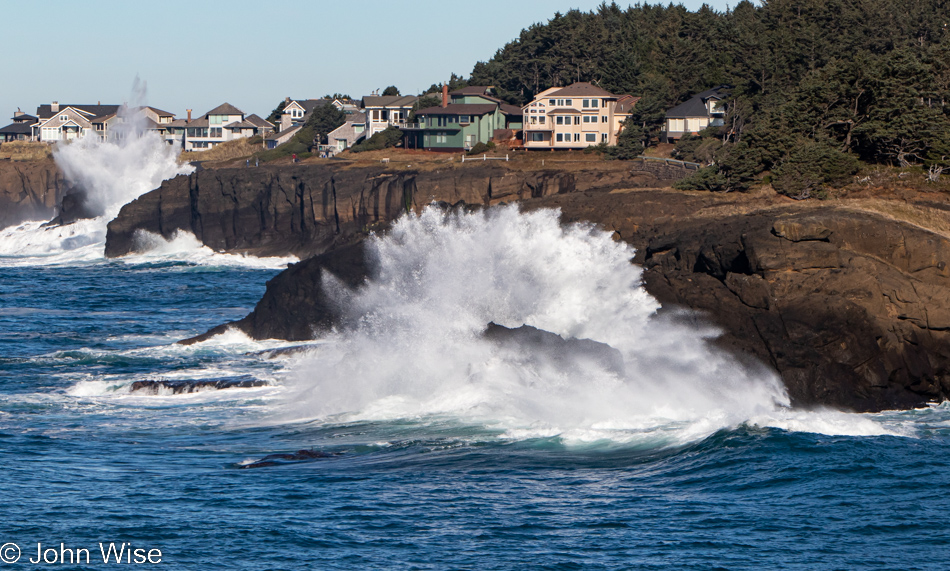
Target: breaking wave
(416, 346)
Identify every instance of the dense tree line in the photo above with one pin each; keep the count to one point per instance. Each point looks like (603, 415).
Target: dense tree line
(814, 82)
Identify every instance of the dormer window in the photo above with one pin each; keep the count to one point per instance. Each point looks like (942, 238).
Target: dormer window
(63, 118)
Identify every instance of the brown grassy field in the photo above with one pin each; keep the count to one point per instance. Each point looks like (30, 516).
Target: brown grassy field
(25, 151)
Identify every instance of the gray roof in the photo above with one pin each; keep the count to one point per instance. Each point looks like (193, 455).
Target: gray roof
(511, 110)
(225, 109)
(389, 100)
(24, 118)
(17, 129)
(696, 105)
(46, 111)
(258, 122)
(581, 89)
(460, 109)
(241, 125)
(161, 113)
(472, 90)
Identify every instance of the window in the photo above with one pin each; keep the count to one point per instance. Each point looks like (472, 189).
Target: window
(463, 119)
(568, 102)
(560, 120)
(603, 137)
(591, 137)
(541, 119)
(577, 120)
(440, 138)
(358, 128)
(537, 137)
(585, 103)
(577, 137)
(551, 101)
(216, 132)
(534, 120)
(593, 103)
(63, 118)
(603, 118)
(560, 138)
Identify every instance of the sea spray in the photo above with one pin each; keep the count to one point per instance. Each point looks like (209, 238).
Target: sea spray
(414, 346)
(107, 173)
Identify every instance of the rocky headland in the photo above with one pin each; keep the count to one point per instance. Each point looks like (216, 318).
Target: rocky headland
(29, 190)
(847, 300)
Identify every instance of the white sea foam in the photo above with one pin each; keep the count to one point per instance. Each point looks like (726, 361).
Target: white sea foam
(417, 348)
(185, 247)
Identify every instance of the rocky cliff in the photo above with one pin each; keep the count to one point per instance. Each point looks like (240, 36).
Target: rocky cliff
(29, 190)
(307, 209)
(851, 308)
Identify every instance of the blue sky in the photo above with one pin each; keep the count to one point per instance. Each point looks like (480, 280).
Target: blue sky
(197, 54)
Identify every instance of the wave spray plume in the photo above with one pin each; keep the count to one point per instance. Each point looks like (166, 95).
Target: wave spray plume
(415, 346)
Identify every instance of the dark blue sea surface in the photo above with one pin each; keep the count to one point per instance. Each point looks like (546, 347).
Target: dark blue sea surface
(84, 461)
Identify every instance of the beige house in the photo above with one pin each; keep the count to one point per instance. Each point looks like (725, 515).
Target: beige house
(575, 117)
(692, 116)
(384, 111)
(57, 122)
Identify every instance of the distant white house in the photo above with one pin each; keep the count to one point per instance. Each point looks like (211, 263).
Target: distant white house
(223, 123)
(297, 111)
(347, 134)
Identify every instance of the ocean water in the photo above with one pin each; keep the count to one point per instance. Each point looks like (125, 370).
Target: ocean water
(405, 440)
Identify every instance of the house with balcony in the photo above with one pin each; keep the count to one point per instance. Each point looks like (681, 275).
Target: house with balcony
(575, 117)
(223, 123)
(20, 130)
(57, 122)
(384, 111)
(465, 118)
(692, 116)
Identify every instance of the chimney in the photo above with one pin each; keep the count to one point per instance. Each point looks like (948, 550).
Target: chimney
(445, 95)
(17, 113)
(54, 107)
(189, 115)
(286, 100)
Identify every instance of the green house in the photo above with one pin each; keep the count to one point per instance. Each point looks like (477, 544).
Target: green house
(466, 117)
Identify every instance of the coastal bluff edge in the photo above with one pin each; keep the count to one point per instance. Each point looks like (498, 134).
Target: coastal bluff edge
(850, 307)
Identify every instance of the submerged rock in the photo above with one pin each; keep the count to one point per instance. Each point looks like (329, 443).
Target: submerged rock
(292, 458)
(154, 387)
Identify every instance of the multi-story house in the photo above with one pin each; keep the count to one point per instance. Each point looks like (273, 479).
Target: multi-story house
(223, 123)
(20, 130)
(466, 117)
(692, 116)
(57, 122)
(384, 111)
(575, 117)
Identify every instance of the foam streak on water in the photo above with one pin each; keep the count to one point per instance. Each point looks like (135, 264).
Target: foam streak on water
(416, 348)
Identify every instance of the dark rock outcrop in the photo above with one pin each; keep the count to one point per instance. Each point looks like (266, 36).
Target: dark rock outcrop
(308, 209)
(29, 190)
(851, 308)
(154, 387)
(563, 353)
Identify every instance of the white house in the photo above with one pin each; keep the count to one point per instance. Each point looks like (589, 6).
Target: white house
(384, 111)
(223, 123)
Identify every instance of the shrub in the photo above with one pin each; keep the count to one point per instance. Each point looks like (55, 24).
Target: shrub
(482, 148)
(391, 137)
(809, 167)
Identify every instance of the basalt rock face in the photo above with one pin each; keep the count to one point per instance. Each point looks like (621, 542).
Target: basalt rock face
(29, 190)
(851, 309)
(308, 209)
